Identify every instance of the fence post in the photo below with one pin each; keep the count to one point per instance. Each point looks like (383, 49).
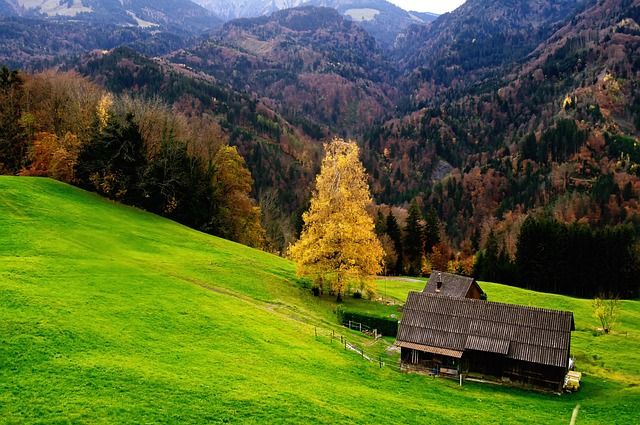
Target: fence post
(380, 360)
(345, 343)
(362, 352)
(315, 329)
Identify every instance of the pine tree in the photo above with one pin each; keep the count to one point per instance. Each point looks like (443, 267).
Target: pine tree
(394, 232)
(380, 224)
(489, 270)
(338, 243)
(413, 240)
(431, 230)
(114, 161)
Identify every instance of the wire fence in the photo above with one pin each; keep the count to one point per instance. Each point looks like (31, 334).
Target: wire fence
(361, 349)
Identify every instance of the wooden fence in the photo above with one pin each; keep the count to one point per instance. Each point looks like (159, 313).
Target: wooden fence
(360, 349)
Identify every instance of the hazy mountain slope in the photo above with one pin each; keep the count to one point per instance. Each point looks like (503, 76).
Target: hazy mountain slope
(36, 43)
(177, 15)
(44, 33)
(233, 9)
(382, 19)
(7, 8)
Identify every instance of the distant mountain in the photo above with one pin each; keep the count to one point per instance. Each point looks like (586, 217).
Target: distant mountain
(382, 19)
(424, 16)
(182, 16)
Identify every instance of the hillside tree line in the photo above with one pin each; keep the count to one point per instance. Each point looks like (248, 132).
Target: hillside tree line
(136, 151)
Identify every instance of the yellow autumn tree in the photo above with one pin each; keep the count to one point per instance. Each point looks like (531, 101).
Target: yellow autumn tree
(338, 245)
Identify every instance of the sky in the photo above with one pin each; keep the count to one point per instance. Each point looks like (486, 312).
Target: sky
(434, 6)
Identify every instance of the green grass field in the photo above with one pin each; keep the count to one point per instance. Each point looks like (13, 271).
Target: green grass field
(112, 315)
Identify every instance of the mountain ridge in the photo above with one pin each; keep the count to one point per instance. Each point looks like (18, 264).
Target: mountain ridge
(382, 19)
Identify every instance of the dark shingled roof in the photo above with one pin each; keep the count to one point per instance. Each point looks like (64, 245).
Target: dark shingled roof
(453, 285)
(523, 333)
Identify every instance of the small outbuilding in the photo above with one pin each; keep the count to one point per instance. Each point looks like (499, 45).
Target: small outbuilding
(485, 340)
(453, 285)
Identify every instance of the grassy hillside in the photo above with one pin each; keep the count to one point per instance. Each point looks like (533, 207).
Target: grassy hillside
(112, 315)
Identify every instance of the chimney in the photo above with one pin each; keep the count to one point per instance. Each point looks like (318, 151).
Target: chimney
(439, 282)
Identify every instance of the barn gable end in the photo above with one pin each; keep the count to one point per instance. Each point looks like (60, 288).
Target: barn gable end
(453, 285)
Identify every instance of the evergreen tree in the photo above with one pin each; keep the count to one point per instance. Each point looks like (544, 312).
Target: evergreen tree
(114, 162)
(489, 268)
(381, 224)
(413, 239)
(13, 143)
(394, 232)
(431, 230)
(530, 148)
(505, 267)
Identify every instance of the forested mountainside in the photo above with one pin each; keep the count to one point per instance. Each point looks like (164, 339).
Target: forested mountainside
(310, 62)
(527, 109)
(479, 38)
(277, 151)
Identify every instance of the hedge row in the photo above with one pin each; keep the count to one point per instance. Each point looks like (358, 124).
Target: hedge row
(385, 326)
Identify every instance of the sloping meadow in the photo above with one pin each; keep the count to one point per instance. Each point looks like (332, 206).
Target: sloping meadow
(112, 315)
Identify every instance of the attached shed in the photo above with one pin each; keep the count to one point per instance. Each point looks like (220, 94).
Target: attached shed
(453, 285)
(484, 339)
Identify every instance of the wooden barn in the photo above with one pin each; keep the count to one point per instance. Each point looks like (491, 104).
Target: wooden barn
(453, 285)
(485, 340)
